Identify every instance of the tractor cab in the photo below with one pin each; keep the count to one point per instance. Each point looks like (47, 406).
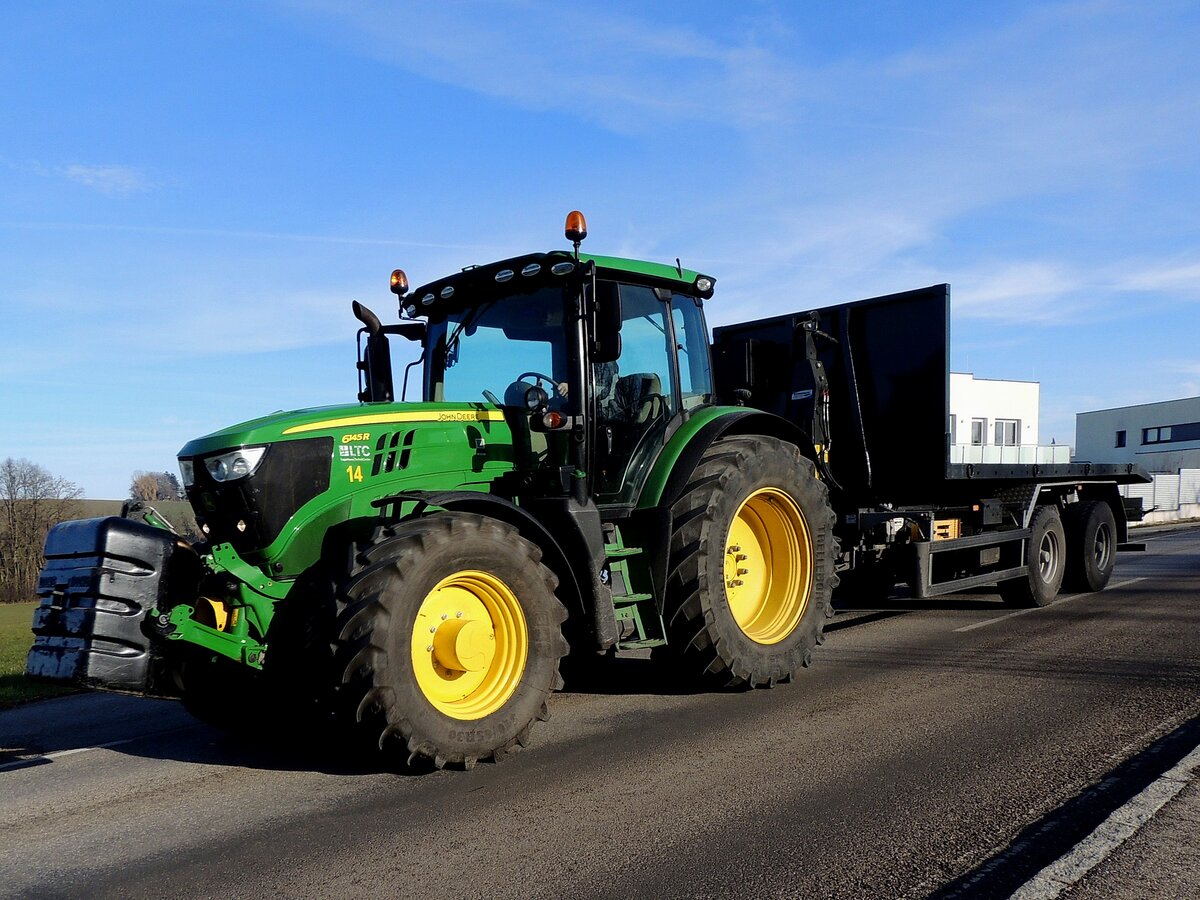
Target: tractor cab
(594, 361)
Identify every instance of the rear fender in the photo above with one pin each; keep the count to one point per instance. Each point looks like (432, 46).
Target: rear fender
(682, 453)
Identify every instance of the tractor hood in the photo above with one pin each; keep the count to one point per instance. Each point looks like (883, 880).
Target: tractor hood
(350, 423)
(271, 487)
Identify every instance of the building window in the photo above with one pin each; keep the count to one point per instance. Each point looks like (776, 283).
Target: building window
(1120, 439)
(1172, 434)
(1008, 432)
(978, 432)
(1160, 435)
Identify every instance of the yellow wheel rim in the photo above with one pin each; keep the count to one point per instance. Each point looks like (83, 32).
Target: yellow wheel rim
(469, 645)
(768, 566)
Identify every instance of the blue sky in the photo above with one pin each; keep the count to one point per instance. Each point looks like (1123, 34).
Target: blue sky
(191, 194)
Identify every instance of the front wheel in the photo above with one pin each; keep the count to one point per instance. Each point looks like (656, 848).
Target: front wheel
(1045, 552)
(449, 638)
(751, 564)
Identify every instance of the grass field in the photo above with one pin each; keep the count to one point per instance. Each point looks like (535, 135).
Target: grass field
(15, 638)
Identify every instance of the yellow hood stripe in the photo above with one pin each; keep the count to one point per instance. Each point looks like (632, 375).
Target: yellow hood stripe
(449, 415)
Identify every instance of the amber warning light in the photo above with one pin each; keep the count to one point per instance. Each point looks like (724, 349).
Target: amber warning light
(576, 229)
(399, 282)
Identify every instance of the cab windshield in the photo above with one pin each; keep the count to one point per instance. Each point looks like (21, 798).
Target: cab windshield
(499, 348)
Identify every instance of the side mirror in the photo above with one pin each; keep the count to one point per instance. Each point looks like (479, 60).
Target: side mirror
(413, 331)
(608, 322)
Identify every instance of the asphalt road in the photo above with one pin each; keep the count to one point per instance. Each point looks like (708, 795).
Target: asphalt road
(926, 739)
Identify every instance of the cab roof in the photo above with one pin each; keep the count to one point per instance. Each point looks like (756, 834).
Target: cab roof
(429, 297)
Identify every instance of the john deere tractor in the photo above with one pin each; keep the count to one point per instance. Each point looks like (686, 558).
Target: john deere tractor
(569, 482)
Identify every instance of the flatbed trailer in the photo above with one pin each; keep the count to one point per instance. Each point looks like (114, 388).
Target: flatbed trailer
(869, 382)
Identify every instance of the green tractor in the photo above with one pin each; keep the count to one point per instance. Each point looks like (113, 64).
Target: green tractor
(568, 483)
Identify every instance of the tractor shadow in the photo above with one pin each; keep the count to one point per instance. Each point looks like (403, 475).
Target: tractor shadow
(205, 745)
(97, 724)
(627, 673)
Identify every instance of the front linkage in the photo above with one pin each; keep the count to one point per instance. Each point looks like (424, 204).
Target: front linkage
(117, 593)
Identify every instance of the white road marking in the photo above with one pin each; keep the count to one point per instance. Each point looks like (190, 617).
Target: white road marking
(1068, 870)
(1033, 609)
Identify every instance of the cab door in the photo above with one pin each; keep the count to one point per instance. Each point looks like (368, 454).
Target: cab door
(636, 397)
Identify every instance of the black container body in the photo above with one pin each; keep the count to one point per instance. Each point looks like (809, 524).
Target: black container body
(101, 579)
(887, 361)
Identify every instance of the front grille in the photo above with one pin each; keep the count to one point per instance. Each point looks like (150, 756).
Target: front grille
(291, 473)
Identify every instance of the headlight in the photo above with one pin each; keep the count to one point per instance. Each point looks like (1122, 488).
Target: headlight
(235, 464)
(188, 470)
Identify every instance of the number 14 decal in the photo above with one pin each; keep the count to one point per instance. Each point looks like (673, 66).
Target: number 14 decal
(354, 473)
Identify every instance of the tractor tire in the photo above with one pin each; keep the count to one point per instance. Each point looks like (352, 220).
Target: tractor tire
(1091, 531)
(1045, 557)
(449, 637)
(751, 567)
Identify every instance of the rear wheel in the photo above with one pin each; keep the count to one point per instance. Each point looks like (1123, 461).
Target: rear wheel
(1091, 531)
(1045, 555)
(751, 565)
(449, 638)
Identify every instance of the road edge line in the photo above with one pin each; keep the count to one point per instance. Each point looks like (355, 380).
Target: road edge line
(1123, 823)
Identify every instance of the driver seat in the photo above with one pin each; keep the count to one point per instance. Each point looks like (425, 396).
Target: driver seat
(637, 398)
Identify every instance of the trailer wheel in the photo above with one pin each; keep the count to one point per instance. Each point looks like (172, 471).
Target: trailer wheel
(751, 567)
(449, 639)
(1091, 532)
(1045, 556)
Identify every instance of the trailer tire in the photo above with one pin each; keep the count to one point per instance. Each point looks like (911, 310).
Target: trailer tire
(751, 566)
(1045, 556)
(1091, 530)
(449, 637)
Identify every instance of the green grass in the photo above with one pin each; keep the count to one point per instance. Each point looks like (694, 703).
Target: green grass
(15, 640)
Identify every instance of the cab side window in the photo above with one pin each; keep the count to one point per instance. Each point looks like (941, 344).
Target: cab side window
(639, 384)
(691, 339)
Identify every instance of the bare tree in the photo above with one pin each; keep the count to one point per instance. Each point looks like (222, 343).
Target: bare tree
(31, 501)
(151, 486)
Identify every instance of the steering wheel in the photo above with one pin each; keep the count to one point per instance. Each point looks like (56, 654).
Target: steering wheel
(538, 375)
(491, 398)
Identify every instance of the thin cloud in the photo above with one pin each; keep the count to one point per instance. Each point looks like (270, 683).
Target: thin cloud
(245, 235)
(116, 181)
(1022, 291)
(1169, 279)
(626, 73)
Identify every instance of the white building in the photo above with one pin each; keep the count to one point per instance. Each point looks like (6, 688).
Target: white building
(995, 421)
(1160, 437)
